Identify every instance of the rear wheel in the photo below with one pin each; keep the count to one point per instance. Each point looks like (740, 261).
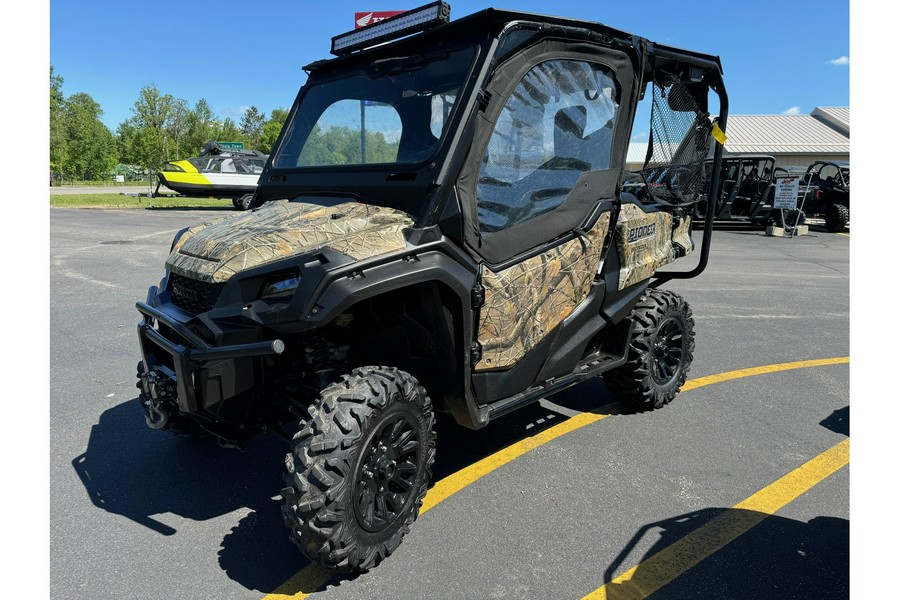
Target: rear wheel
(359, 469)
(836, 218)
(246, 202)
(660, 353)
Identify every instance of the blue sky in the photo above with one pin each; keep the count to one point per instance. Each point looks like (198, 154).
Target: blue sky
(777, 56)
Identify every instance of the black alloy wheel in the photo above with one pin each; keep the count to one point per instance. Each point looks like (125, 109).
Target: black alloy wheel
(386, 474)
(660, 352)
(668, 351)
(359, 468)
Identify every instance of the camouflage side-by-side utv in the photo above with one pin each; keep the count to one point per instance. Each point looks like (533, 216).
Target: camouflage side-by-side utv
(440, 228)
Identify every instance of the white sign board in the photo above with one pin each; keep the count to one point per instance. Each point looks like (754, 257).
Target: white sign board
(786, 189)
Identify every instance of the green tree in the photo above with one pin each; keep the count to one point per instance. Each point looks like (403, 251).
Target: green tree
(228, 132)
(177, 125)
(271, 130)
(252, 126)
(201, 127)
(91, 151)
(57, 123)
(137, 145)
(151, 113)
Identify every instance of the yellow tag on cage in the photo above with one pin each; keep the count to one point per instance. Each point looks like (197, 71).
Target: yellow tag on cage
(719, 134)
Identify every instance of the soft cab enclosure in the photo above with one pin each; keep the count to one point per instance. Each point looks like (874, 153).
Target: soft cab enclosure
(441, 228)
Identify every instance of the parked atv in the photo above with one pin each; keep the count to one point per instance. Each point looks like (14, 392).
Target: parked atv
(439, 232)
(746, 190)
(825, 192)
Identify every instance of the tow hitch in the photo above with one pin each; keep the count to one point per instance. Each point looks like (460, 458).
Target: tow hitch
(158, 396)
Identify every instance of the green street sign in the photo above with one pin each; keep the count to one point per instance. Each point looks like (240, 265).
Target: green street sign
(232, 145)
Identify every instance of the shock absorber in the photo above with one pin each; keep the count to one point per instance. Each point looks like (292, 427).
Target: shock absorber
(323, 356)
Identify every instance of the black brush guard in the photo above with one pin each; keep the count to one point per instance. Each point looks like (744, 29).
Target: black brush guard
(187, 357)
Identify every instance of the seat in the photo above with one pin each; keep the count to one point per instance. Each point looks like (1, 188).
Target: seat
(568, 132)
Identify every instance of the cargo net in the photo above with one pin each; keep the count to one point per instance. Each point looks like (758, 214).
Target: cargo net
(679, 142)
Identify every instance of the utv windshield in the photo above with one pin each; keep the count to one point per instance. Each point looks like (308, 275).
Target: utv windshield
(394, 111)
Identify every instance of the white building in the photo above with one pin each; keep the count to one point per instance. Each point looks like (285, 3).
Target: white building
(800, 140)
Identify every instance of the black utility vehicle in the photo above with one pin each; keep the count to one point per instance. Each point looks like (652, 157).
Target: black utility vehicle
(439, 229)
(746, 190)
(825, 192)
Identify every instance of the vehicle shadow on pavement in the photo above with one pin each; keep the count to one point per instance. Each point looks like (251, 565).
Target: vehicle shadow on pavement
(469, 446)
(838, 421)
(133, 471)
(777, 558)
(459, 447)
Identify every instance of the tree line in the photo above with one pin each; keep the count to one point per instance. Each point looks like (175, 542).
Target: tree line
(160, 128)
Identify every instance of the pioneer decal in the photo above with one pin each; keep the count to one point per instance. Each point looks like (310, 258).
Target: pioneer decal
(643, 232)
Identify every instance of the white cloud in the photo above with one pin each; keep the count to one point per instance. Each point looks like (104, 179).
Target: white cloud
(794, 110)
(640, 136)
(839, 62)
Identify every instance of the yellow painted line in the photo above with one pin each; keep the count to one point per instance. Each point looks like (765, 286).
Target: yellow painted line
(687, 552)
(844, 234)
(313, 577)
(451, 484)
(710, 379)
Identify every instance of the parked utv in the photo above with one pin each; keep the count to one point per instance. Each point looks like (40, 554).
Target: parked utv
(440, 229)
(825, 192)
(746, 190)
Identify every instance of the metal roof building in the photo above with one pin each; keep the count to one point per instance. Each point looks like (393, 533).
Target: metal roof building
(824, 134)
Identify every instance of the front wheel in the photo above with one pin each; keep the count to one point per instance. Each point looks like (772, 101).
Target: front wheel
(836, 218)
(660, 353)
(359, 469)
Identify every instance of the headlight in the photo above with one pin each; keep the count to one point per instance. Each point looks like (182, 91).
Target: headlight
(282, 286)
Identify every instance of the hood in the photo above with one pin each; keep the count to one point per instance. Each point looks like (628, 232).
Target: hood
(215, 251)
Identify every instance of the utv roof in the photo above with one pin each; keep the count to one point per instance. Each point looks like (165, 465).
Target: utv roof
(491, 21)
(749, 156)
(841, 164)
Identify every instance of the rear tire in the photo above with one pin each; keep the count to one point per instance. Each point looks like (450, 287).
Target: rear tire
(246, 202)
(359, 469)
(660, 352)
(836, 218)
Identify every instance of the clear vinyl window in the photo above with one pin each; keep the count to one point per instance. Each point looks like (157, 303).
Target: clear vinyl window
(557, 124)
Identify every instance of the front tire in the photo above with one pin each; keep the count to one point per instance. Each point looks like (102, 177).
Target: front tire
(836, 218)
(359, 469)
(660, 352)
(246, 202)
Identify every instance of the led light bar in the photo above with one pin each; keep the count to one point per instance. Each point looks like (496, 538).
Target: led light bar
(412, 21)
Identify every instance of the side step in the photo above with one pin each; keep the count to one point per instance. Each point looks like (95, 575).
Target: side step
(586, 370)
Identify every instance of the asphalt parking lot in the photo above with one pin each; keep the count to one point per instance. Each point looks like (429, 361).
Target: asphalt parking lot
(738, 489)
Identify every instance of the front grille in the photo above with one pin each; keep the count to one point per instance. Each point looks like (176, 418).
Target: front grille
(193, 296)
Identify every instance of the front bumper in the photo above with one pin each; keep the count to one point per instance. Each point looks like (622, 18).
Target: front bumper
(201, 375)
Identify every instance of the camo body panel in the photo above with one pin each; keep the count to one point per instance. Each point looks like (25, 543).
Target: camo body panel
(523, 303)
(682, 237)
(641, 254)
(215, 251)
